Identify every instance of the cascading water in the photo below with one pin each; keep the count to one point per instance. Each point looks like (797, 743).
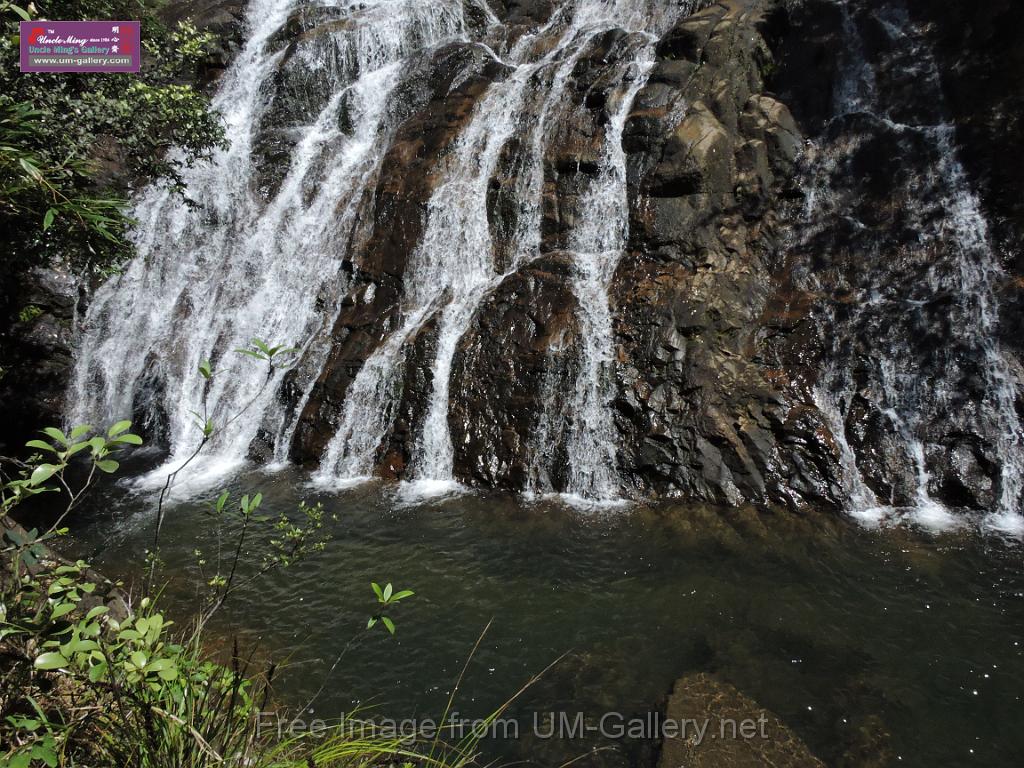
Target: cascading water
(912, 386)
(270, 248)
(597, 246)
(234, 266)
(454, 266)
(211, 276)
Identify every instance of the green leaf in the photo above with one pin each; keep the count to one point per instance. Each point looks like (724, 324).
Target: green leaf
(17, 537)
(118, 428)
(80, 430)
(56, 434)
(52, 660)
(61, 609)
(40, 445)
(76, 448)
(20, 11)
(159, 665)
(97, 671)
(387, 592)
(205, 370)
(80, 646)
(402, 595)
(107, 465)
(377, 590)
(168, 674)
(128, 439)
(42, 473)
(371, 622)
(99, 610)
(48, 218)
(388, 623)
(138, 658)
(30, 169)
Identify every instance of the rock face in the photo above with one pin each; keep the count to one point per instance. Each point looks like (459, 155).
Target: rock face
(787, 328)
(817, 299)
(708, 409)
(709, 403)
(37, 312)
(738, 734)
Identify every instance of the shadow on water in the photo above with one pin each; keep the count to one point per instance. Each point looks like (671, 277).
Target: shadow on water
(872, 645)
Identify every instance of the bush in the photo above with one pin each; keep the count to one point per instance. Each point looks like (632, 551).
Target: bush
(84, 685)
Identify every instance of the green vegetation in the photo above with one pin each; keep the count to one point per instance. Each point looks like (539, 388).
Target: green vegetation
(56, 131)
(87, 681)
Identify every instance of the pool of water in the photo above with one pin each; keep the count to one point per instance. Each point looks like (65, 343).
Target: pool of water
(892, 644)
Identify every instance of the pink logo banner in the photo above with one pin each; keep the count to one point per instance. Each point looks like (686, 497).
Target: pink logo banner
(80, 46)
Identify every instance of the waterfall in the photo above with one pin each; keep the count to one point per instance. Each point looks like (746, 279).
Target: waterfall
(229, 266)
(267, 244)
(454, 267)
(250, 255)
(911, 398)
(597, 245)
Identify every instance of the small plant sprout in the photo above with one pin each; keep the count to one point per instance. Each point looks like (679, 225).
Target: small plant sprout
(261, 350)
(386, 597)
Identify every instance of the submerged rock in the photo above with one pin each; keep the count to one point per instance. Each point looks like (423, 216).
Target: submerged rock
(737, 732)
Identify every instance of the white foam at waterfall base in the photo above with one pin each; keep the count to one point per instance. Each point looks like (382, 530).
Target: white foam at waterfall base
(577, 502)
(1006, 523)
(413, 492)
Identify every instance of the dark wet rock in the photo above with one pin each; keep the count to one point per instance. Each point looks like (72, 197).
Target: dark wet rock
(499, 368)
(706, 410)
(740, 733)
(875, 437)
(37, 316)
(977, 47)
(417, 381)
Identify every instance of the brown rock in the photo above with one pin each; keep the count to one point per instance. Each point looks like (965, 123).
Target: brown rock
(739, 733)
